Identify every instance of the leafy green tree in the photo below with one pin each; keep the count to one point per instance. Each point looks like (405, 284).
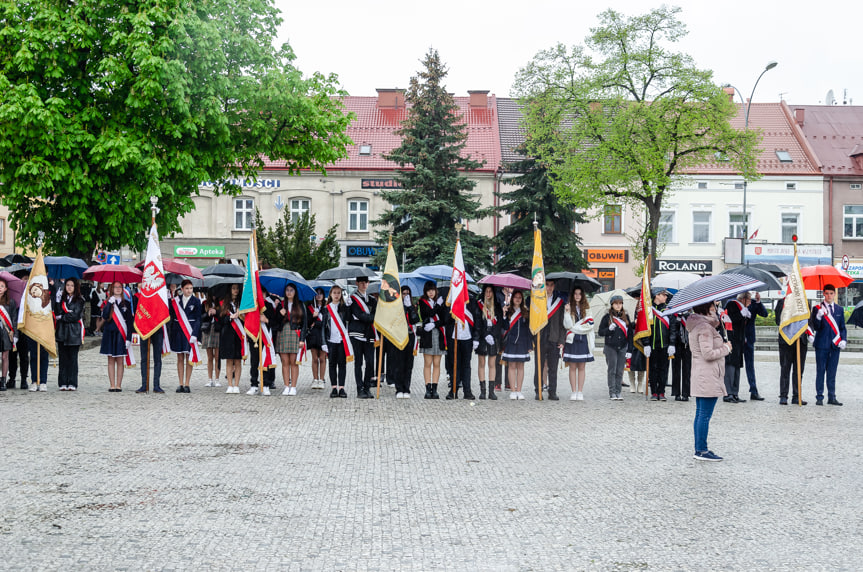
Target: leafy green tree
(435, 194)
(621, 117)
(292, 245)
(107, 102)
(535, 195)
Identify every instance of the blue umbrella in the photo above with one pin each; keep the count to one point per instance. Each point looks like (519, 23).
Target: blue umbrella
(62, 267)
(438, 272)
(275, 280)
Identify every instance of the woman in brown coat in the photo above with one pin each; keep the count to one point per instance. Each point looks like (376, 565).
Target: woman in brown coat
(708, 372)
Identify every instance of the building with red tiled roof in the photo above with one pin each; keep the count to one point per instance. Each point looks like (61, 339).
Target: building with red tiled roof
(348, 195)
(835, 133)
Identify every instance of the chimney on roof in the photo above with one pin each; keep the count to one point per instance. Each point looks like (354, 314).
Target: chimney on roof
(478, 99)
(729, 91)
(391, 98)
(799, 115)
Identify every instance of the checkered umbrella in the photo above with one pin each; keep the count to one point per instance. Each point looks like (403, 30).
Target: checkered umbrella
(710, 288)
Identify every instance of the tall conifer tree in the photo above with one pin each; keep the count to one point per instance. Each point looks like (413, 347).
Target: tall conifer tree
(435, 192)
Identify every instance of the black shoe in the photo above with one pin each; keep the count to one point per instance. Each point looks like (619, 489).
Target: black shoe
(364, 394)
(23, 384)
(482, 390)
(678, 398)
(141, 389)
(833, 401)
(158, 389)
(624, 384)
(738, 400)
(819, 402)
(181, 390)
(186, 389)
(334, 393)
(783, 401)
(343, 394)
(755, 397)
(434, 391)
(491, 394)
(795, 399)
(469, 396)
(451, 395)
(728, 399)
(428, 394)
(2, 387)
(684, 399)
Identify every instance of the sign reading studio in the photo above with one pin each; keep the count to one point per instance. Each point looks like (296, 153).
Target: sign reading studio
(695, 266)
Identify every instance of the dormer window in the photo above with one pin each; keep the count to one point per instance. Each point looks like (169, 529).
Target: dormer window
(784, 157)
(365, 149)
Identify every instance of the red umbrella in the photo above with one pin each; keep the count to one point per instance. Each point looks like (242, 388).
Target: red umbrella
(816, 277)
(16, 286)
(113, 273)
(506, 280)
(176, 267)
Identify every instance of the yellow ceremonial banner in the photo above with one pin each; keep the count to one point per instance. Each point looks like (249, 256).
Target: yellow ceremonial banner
(390, 318)
(37, 317)
(538, 295)
(795, 311)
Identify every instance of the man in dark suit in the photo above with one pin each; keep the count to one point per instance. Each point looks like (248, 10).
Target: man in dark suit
(551, 340)
(788, 360)
(361, 308)
(756, 308)
(828, 322)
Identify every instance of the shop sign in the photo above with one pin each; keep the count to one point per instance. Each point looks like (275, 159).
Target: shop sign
(600, 273)
(380, 184)
(364, 251)
(604, 256)
(783, 254)
(247, 183)
(199, 251)
(696, 266)
(855, 268)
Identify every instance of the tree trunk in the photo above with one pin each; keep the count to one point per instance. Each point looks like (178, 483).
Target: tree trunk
(654, 214)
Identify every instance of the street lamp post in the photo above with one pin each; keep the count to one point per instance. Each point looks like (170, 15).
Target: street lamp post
(747, 107)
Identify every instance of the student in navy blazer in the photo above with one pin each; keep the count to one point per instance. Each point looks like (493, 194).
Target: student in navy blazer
(180, 345)
(828, 343)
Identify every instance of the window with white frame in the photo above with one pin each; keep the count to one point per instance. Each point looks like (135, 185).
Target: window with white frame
(853, 227)
(244, 214)
(736, 225)
(358, 215)
(790, 223)
(701, 226)
(666, 230)
(299, 207)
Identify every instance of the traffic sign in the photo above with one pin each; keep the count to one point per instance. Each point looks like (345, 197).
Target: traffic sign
(113, 259)
(846, 264)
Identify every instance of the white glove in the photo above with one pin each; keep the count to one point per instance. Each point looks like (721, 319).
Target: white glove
(193, 340)
(628, 355)
(429, 327)
(746, 313)
(489, 339)
(811, 338)
(128, 344)
(612, 326)
(842, 344)
(439, 301)
(671, 350)
(111, 301)
(821, 312)
(646, 351)
(476, 345)
(325, 349)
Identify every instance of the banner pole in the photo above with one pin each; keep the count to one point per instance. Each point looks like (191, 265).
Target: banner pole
(539, 365)
(38, 364)
(147, 365)
(646, 379)
(799, 376)
(380, 366)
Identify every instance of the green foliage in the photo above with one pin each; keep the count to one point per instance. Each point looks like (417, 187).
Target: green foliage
(618, 119)
(107, 102)
(290, 245)
(434, 194)
(561, 247)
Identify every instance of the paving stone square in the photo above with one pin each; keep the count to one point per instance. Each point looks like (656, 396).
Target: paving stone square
(105, 481)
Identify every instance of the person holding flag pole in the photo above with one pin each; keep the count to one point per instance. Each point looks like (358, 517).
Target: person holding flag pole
(539, 312)
(793, 323)
(152, 312)
(644, 320)
(252, 305)
(390, 322)
(36, 321)
(463, 332)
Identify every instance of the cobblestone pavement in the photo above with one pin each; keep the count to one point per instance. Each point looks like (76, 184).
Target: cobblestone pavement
(98, 480)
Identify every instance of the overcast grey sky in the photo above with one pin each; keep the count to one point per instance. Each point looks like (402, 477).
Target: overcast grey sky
(378, 43)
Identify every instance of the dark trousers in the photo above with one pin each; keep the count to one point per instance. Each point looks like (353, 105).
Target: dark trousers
(42, 361)
(156, 372)
(255, 363)
(788, 367)
(363, 352)
(550, 357)
(826, 362)
(338, 364)
(658, 374)
(20, 355)
(732, 380)
(67, 369)
(681, 367)
(400, 365)
(465, 352)
(749, 364)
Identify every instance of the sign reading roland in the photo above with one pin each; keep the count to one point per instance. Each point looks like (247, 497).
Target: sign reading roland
(696, 266)
(199, 251)
(364, 251)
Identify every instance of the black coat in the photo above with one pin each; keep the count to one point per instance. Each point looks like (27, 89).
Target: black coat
(325, 315)
(428, 315)
(362, 322)
(737, 335)
(179, 343)
(494, 330)
(615, 338)
(449, 323)
(68, 328)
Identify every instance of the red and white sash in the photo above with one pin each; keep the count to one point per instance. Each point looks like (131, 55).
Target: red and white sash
(682, 320)
(726, 320)
(312, 312)
(513, 321)
(831, 321)
(555, 306)
(186, 328)
(343, 331)
(166, 340)
(357, 300)
(267, 353)
(301, 355)
(660, 317)
(237, 325)
(588, 321)
(621, 324)
(120, 322)
(435, 319)
(7, 321)
(482, 312)
(65, 309)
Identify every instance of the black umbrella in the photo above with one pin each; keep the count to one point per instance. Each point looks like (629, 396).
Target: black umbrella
(345, 273)
(218, 285)
(771, 268)
(770, 281)
(224, 270)
(15, 258)
(18, 268)
(856, 317)
(567, 281)
(635, 291)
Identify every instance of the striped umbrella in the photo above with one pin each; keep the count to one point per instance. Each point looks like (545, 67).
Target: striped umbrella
(710, 288)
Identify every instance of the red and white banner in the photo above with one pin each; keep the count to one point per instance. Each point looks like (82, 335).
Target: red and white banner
(458, 294)
(186, 328)
(152, 310)
(267, 351)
